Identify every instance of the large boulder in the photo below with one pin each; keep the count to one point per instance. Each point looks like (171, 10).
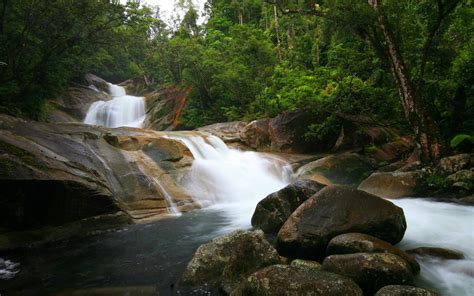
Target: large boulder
(391, 184)
(350, 243)
(255, 134)
(57, 173)
(296, 280)
(403, 290)
(342, 169)
(371, 271)
(228, 259)
(229, 132)
(272, 211)
(393, 150)
(336, 210)
(285, 131)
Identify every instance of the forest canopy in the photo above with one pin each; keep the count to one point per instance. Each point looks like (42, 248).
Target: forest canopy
(409, 64)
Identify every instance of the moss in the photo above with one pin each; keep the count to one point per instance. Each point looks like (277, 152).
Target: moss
(25, 156)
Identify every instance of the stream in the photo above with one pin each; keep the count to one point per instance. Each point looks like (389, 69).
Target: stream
(147, 259)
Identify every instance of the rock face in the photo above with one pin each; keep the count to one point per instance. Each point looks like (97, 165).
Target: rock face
(229, 132)
(401, 290)
(342, 169)
(371, 271)
(228, 259)
(272, 211)
(350, 243)
(57, 173)
(164, 108)
(255, 134)
(336, 210)
(393, 150)
(441, 253)
(296, 280)
(391, 184)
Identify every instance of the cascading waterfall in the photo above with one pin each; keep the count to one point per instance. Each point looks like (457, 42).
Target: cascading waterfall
(122, 110)
(230, 180)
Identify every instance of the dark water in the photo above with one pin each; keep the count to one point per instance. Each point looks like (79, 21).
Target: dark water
(136, 260)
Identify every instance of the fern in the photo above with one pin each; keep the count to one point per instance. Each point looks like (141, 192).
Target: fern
(458, 139)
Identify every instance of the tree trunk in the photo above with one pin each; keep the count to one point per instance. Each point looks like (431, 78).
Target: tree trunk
(426, 130)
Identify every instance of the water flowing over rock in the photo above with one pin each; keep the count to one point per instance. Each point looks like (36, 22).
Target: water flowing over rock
(272, 211)
(228, 132)
(229, 259)
(371, 271)
(122, 110)
(296, 280)
(441, 253)
(336, 210)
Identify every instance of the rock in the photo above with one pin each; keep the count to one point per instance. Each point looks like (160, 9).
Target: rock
(441, 253)
(164, 108)
(391, 184)
(135, 86)
(336, 210)
(343, 169)
(97, 82)
(228, 259)
(452, 164)
(229, 132)
(466, 176)
(272, 211)
(371, 271)
(296, 280)
(468, 200)
(285, 131)
(306, 263)
(393, 150)
(350, 243)
(255, 134)
(80, 171)
(400, 290)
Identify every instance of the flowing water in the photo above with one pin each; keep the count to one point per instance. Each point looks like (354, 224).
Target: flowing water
(122, 110)
(142, 259)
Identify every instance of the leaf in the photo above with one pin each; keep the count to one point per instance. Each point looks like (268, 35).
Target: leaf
(458, 139)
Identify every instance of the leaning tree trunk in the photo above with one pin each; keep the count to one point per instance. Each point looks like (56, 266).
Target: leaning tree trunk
(426, 130)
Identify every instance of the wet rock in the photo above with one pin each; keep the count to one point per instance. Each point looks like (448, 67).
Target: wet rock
(343, 169)
(81, 171)
(350, 243)
(391, 184)
(466, 176)
(285, 131)
(229, 132)
(228, 259)
(371, 271)
(272, 211)
(441, 253)
(401, 290)
(336, 210)
(296, 280)
(452, 164)
(255, 134)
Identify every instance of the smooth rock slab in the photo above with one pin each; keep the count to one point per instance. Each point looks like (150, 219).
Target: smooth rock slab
(296, 280)
(336, 210)
(440, 253)
(391, 184)
(399, 290)
(350, 243)
(228, 259)
(273, 211)
(371, 271)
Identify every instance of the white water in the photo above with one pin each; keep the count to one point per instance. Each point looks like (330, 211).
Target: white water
(122, 110)
(437, 224)
(230, 180)
(8, 269)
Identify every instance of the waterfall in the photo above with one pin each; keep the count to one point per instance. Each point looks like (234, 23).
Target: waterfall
(230, 180)
(122, 110)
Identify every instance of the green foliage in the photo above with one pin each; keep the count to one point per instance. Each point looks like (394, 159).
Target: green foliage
(458, 139)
